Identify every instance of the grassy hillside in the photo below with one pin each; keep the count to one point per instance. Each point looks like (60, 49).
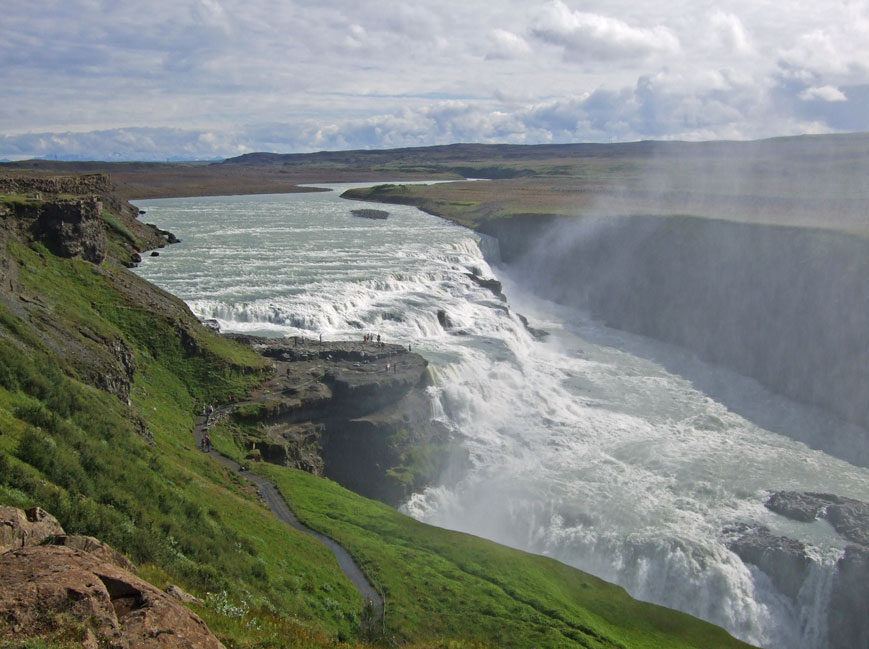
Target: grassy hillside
(126, 471)
(447, 584)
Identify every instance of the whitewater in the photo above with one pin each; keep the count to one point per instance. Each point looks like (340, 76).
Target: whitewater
(614, 453)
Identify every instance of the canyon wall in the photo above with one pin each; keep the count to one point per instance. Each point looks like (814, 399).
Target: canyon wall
(786, 306)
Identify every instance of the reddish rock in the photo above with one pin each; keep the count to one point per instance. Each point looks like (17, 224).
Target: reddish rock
(183, 595)
(94, 546)
(44, 587)
(19, 528)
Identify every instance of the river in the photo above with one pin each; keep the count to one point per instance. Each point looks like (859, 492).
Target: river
(614, 453)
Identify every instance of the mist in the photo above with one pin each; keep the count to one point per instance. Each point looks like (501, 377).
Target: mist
(760, 267)
(749, 262)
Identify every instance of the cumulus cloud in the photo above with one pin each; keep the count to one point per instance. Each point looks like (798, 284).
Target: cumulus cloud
(824, 93)
(506, 45)
(206, 78)
(729, 33)
(122, 144)
(586, 36)
(838, 52)
(660, 106)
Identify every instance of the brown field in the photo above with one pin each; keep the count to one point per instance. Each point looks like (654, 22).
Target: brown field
(811, 181)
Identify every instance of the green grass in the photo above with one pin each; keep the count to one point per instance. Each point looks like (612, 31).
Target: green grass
(79, 453)
(442, 584)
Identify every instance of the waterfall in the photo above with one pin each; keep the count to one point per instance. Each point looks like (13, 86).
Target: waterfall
(614, 453)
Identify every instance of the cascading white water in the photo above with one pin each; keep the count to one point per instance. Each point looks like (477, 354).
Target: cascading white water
(590, 446)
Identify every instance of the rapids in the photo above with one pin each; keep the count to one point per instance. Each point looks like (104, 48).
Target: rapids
(622, 456)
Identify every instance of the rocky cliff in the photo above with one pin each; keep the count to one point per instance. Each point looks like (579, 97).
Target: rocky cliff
(331, 410)
(356, 412)
(67, 208)
(61, 214)
(787, 306)
(96, 184)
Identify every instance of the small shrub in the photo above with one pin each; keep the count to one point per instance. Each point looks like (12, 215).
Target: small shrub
(220, 603)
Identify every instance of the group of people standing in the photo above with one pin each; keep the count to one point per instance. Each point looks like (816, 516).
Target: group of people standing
(371, 338)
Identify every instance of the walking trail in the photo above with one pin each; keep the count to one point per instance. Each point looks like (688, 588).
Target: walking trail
(374, 611)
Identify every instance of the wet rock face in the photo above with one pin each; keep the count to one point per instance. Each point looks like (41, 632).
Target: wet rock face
(849, 517)
(118, 608)
(849, 604)
(73, 228)
(787, 562)
(784, 560)
(798, 506)
(492, 285)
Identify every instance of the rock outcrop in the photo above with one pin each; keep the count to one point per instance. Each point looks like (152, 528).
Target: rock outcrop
(49, 585)
(351, 411)
(370, 214)
(97, 184)
(787, 562)
(59, 583)
(784, 560)
(73, 228)
(490, 284)
(19, 528)
(93, 546)
(67, 227)
(849, 517)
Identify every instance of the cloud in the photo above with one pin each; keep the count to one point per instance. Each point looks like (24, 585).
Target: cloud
(122, 144)
(729, 34)
(506, 45)
(660, 106)
(835, 54)
(824, 93)
(219, 75)
(585, 36)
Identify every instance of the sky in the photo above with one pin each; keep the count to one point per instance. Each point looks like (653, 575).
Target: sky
(202, 79)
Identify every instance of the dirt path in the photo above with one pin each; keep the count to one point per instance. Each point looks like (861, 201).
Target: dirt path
(374, 611)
